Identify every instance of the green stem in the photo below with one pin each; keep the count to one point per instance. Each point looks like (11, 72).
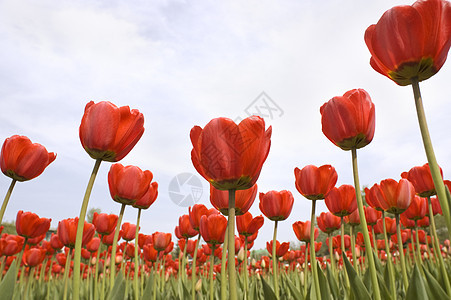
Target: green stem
(306, 271)
(391, 271)
(6, 200)
(374, 239)
(343, 252)
(437, 252)
(312, 252)
(156, 275)
(366, 236)
(223, 266)
(135, 277)
(274, 261)
(79, 237)
(212, 260)
(433, 165)
(114, 247)
(354, 257)
(417, 241)
(193, 271)
(245, 270)
(231, 247)
(183, 268)
(401, 253)
(331, 254)
(96, 270)
(66, 273)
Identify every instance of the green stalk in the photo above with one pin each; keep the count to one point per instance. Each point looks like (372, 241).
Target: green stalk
(193, 272)
(343, 252)
(391, 271)
(438, 253)
(245, 270)
(374, 237)
(223, 266)
(96, 270)
(6, 200)
(183, 268)
(354, 256)
(417, 241)
(331, 254)
(401, 253)
(366, 236)
(312, 252)
(135, 278)
(306, 271)
(66, 273)
(274, 261)
(114, 247)
(433, 165)
(212, 260)
(81, 223)
(156, 275)
(231, 247)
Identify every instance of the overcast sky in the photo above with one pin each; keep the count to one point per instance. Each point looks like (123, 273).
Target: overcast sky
(182, 63)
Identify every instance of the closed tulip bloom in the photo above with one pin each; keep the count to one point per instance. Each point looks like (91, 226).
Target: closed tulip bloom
(314, 183)
(372, 215)
(406, 222)
(149, 197)
(161, 240)
(128, 231)
(195, 213)
(341, 201)
(247, 225)
(349, 121)
(23, 160)
(421, 179)
(33, 257)
(328, 222)
(36, 240)
(231, 156)
(185, 229)
(353, 219)
(375, 198)
(212, 228)
(424, 222)
(55, 242)
(108, 132)
(390, 225)
(243, 200)
(397, 195)
(108, 239)
(411, 41)
(417, 209)
(67, 231)
(302, 231)
(93, 244)
(149, 253)
(104, 223)
(13, 244)
(29, 224)
(436, 208)
(275, 205)
(281, 249)
(128, 184)
(405, 235)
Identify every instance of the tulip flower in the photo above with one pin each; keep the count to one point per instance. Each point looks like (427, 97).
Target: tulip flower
(276, 206)
(67, 230)
(243, 200)
(33, 257)
(421, 179)
(302, 231)
(328, 222)
(314, 183)
(341, 201)
(372, 215)
(128, 231)
(104, 223)
(13, 244)
(161, 240)
(29, 225)
(185, 228)
(417, 209)
(247, 225)
(212, 228)
(149, 197)
(281, 248)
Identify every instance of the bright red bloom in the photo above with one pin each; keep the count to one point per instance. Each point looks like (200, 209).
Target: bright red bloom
(372, 215)
(407, 223)
(36, 240)
(349, 121)
(228, 155)
(353, 219)
(393, 196)
(424, 222)
(128, 184)
(247, 226)
(29, 224)
(328, 222)
(314, 183)
(411, 41)
(212, 228)
(93, 244)
(22, 160)
(275, 205)
(405, 235)
(341, 201)
(421, 179)
(55, 242)
(195, 213)
(390, 225)
(243, 200)
(149, 253)
(108, 239)
(185, 229)
(417, 209)
(302, 231)
(13, 245)
(67, 232)
(161, 240)
(149, 197)
(436, 207)
(33, 257)
(104, 223)
(128, 231)
(281, 249)
(108, 132)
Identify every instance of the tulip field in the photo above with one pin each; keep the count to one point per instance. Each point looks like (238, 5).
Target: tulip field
(382, 241)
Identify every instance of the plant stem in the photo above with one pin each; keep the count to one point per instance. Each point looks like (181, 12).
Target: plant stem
(212, 260)
(433, 165)
(274, 261)
(312, 252)
(223, 266)
(231, 246)
(66, 273)
(245, 269)
(401, 253)
(306, 271)
(391, 271)
(193, 270)
(96, 270)
(331, 254)
(114, 247)
(183, 267)
(79, 237)
(366, 236)
(417, 241)
(135, 277)
(6, 200)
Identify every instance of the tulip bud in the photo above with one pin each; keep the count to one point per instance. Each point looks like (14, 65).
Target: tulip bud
(253, 262)
(302, 278)
(263, 264)
(240, 255)
(198, 285)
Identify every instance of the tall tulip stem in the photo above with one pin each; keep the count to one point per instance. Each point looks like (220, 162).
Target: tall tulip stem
(401, 253)
(366, 236)
(274, 261)
(114, 248)
(312, 252)
(391, 271)
(212, 261)
(223, 266)
(433, 165)
(79, 237)
(6, 200)
(135, 277)
(193, 270)
(231, 246)
(331, 254)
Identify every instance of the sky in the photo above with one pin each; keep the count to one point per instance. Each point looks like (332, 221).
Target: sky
(183, 63)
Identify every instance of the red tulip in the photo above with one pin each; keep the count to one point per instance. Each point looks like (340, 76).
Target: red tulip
(372, 215)
(275, 205)
(421, 179)
(93, 245)
(417, 209)
(243, 200)
(195, 213)
(29, 224)
(349, 121)
(281, 249)
(128, 184)
(407, 223)
(149, 197)
(302, 231)
(108, 132)
(22, 160)
(390, 225)
(55, 242)
(314, 183)
(13, 244)
(149, 253)
(353, 219)
(212, 228)
(108, 239)
(436, 207)
(128, 231)
(247, 226)
(230, 156)
(185, 228)
(104, 223)
(161, 240)
(130, 250)
(424, 222)
(36, 240)
(395, 197)
(341, 201)
(411, 41)
(33, 257)
(67, 231)
(328, 222)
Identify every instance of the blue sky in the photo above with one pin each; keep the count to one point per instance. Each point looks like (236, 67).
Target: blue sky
(182, 63)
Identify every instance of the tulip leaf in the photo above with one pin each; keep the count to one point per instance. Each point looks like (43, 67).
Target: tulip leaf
(293, 290)
(332, 283)
(434, 289)
(8, 282)
(357, 286)
(323, 285)
(118, 291)
(417, 288)
(267, 290)
(147, 293)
